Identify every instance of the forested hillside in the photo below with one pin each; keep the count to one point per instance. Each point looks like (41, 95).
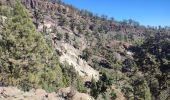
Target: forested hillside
(51, 45)
(26, 59)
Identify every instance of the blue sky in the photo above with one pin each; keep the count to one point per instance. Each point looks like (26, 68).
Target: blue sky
(147, 12)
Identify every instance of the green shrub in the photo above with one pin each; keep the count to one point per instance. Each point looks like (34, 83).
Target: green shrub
(59, 36)
(113, 95)
(80, 86)
(86, 54)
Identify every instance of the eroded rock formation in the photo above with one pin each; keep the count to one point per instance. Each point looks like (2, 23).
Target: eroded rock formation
(45, 5)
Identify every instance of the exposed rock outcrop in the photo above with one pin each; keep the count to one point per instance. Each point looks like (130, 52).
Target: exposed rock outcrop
(70, 55)
(45, 5)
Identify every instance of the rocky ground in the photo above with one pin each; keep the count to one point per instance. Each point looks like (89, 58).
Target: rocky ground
(13, 93)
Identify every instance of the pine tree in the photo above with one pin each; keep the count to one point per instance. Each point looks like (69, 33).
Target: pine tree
(94, 89)
(146, 91)
(141, 89)
(26, 60)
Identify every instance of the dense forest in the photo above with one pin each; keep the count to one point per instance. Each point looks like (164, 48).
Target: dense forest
(51, 45)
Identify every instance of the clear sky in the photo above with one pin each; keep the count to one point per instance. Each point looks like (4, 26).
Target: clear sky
(147, 12)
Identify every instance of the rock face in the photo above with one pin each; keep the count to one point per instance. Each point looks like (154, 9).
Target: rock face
(39, 4)
(45, 5)
(13, 93)
(70, 55)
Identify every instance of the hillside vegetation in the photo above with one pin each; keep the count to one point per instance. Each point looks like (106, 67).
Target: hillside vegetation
(50, 45)
(26, 59)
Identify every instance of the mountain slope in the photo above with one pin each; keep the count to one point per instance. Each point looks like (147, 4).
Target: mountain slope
(98, 56)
